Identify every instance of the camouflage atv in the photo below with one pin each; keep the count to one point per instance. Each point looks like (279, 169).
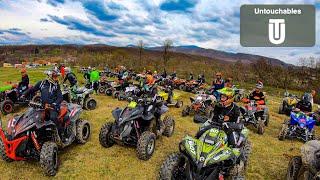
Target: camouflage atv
(209, 155)
(306, 166)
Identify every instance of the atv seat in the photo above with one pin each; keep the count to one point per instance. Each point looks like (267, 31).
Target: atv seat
(63, 112)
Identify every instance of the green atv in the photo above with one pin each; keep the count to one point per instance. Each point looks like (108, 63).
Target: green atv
(210, 155)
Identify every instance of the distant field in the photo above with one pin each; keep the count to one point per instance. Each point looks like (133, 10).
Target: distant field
(268, 160)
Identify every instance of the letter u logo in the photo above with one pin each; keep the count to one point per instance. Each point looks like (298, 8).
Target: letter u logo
(277, 31)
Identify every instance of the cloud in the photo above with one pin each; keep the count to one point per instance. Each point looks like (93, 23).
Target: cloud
(77, 24)
(12, 31)
(55, 2)
(44, 20)
(178, 5)
(97, 9)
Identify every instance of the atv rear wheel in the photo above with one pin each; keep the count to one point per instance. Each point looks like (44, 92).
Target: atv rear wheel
(281, 109)
(172, 168)
(294, 168)
(179, 104)
(185, 111)
(83, 131)
(7, 107)
(283, 131)
(108, 92)
(115, 94)
(182, 87)
(260, 126)
(169, 126)
(36, 99)
(90, 104)
(49, 158)
(3, 153)
(104, 136)
(146, 145)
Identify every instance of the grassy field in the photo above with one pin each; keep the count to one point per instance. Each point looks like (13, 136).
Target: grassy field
(268, 160)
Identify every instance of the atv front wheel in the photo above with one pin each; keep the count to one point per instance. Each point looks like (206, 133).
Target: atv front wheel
(281, 109)
(36, 99)
(104, 136)
(294, 168)
(7, 107)
(90, 104)
(115, 94)
(108, 92)
(266, 121)
(260, 126)
(283, 131)
(49, 158)
(3, 153)
(146, 145)
(102, 90)
(179, 104)
(172, 168)
(169, 126)
(185, 111)
(83, 131)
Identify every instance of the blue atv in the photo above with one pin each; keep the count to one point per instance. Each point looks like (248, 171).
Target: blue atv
(300, 126)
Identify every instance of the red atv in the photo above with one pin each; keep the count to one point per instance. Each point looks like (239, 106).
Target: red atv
(33, 136)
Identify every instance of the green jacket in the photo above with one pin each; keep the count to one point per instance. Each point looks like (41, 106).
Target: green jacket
(94, 76)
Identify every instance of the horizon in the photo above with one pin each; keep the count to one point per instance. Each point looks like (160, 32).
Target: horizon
(123, 23)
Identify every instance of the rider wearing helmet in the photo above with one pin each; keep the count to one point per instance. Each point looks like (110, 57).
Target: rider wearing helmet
(24, 83)
(217, 84)
(257, 94)
(51, 95)
(305, 103)
(70, 76)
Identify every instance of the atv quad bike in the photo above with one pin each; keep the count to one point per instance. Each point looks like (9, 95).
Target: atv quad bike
(179, 84)
(209, 155)
(138, 125)
(33, 136)
(116, 88)
(300, 126)
(103, 86)
(289, 102)
(202, 104)
(170, 98)
(306, 166)
(131, 91)
(254, 114)
(10, 97)
(81, 97)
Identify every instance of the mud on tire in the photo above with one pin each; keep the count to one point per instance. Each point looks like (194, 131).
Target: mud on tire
(146, 145)
(83, 131)
(283, 131)
(104, 134)
(49, 158)
(294, 168)
(3, 152)
(169, 126)
(169, 166)
(260, 126)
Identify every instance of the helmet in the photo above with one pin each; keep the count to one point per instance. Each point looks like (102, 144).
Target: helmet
(155, 72)
(67, 69)
(218, 74)
(52, 73)
(306, 97)
(23, 70)
(259, 85)
(227, 92)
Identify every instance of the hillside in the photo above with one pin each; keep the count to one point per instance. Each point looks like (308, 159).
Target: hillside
(222, 55)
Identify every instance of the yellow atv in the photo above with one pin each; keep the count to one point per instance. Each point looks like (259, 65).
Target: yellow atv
(170, 98)
(289, 102)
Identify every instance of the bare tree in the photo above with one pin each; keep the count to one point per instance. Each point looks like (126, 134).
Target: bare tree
(140, 47)
(167, 45)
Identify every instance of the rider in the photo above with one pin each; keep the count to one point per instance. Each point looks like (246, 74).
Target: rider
(229, 111)
(228, 83)
(94, 79)
(217, 84)
(257, 94)
(72, 78)
(191, 76)
(24, 84)
(51, 95)
(304, 104)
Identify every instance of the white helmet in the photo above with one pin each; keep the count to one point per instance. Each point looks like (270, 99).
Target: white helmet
(67, 69)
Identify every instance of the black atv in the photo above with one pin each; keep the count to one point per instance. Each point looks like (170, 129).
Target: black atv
(11, 98)
(33, 136)
(138, 125)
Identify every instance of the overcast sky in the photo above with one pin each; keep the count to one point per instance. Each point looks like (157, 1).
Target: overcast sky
(210, 24)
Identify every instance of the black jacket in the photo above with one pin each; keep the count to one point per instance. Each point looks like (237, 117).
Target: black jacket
(233, 111)
(24, 84)
(50, 93)
(71, 77)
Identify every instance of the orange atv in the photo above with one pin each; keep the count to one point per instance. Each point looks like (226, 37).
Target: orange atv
(202, 104)
(179, 84)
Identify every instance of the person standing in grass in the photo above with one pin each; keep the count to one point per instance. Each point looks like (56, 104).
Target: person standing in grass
(94, 79)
